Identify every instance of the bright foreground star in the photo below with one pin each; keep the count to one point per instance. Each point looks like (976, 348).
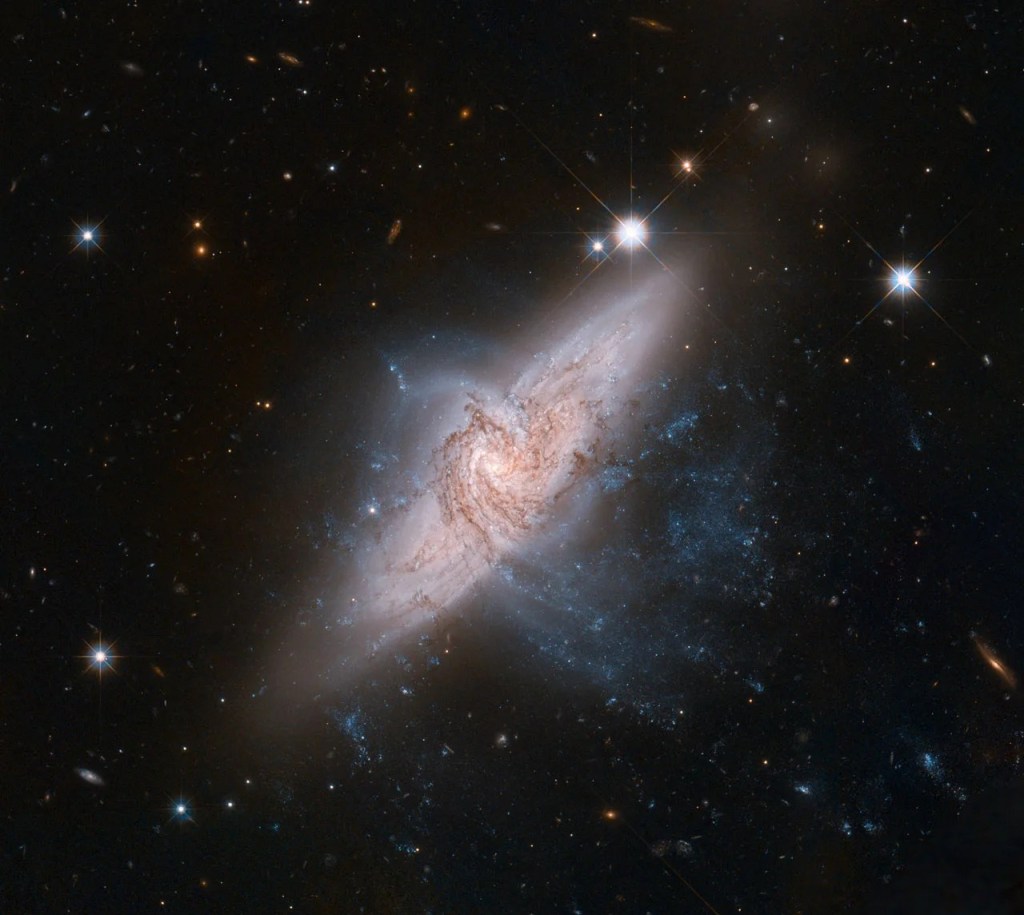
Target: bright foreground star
(86, 236)
(904, 279)
(180, 811)
(100, 657)
(513, 464)
(631, 232)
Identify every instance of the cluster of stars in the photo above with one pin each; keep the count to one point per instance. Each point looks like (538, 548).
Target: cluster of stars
(87, 236)
(100, 657)
(632, 232)
(200, 249)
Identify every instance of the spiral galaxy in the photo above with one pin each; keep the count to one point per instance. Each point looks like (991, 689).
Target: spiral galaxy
(504, 460)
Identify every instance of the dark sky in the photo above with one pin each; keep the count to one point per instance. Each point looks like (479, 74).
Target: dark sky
(771, 665)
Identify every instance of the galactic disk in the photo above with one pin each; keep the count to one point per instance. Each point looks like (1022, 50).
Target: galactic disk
(508, 461)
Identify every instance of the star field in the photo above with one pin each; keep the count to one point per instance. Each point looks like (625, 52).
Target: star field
(506, 458)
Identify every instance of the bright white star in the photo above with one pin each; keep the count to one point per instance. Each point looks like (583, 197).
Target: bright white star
(100, 657)
(87, 236)
(904, 279)
(631, 233)
(180, 811)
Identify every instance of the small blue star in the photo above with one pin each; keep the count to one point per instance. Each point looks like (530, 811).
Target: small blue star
(181, 811)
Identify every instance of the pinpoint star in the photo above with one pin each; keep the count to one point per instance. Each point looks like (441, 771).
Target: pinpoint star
(86, 236)
(904, 280)
(181, 811)
(100, 657)
(597, 249)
